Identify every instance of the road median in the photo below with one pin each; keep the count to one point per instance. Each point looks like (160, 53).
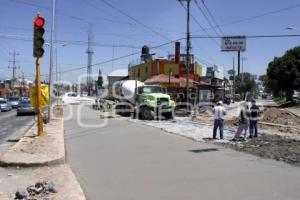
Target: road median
(32, 151)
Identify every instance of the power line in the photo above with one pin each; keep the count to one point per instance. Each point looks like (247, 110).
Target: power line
(205, 16)
(72, 42)
(117, 58)
(92, 5)
(212, 17)
(198, 23)
(49, 10)
(249, 36)
(257, 16)
(135, 20)
(14, 67)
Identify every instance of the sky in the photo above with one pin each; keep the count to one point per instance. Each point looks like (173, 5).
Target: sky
(128, 25)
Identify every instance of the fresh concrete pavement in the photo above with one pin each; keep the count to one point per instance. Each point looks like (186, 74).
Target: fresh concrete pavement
(125, 160)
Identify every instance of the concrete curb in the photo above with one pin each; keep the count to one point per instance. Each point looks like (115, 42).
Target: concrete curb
(31, 151)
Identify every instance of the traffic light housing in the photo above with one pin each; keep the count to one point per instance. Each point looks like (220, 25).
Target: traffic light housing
(38, 37)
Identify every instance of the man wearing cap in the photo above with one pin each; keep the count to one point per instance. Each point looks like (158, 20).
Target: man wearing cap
(219, 113)
(254, 114)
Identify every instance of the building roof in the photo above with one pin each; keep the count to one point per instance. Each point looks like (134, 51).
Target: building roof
(162, 78)
(119, 73)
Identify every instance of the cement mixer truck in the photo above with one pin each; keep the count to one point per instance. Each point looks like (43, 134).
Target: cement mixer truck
(146, 102)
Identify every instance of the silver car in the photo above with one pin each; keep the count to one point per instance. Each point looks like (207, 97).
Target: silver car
(5, 105)
(296, 95)
(14, 101)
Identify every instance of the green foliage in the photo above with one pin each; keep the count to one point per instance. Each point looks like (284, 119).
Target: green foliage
(244, 83)
(280, 100)
(284, 72)
(231, 72)
(100, 80)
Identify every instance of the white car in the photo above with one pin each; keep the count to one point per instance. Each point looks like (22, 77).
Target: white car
(14, 101)
(296, 95)
(5, 105)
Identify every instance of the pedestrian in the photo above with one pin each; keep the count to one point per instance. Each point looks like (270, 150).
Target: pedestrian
(219, 113)
(254, 114)
(243, 122)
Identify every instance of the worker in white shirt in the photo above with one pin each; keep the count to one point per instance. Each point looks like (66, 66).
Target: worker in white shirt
(219, 113)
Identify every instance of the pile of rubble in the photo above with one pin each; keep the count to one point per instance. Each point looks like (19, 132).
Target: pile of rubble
(41, 190)
(280, 120)
(280, 116)
(270, 146)
(275, 120)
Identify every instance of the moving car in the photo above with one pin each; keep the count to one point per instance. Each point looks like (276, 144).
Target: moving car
(25, 108)
(5, 105)
(14, 101)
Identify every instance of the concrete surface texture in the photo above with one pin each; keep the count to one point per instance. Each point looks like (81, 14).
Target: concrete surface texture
(17, 179)
(34, 151)
(295, 111)
(126, 160)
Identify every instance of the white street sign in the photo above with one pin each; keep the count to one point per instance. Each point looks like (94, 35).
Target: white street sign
(233, 43)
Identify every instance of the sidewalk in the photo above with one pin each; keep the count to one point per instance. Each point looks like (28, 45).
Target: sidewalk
(33, 151)
(17, 179)
(295, 111)
(39, 159)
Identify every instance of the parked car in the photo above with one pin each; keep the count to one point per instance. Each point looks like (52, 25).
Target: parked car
(5, 105)
(25, 99)
(227, 99)
(14, 101)
(24, 108)
(296, 95)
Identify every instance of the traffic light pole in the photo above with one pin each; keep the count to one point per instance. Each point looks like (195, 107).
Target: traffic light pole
(38, 98)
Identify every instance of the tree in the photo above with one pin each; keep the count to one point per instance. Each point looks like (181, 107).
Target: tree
(285, 72)
(245, 83)
(270, 86)
(100, 80)
(231, 73)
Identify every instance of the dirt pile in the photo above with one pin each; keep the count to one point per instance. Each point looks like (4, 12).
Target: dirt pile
(270, 146)
(280, 116)
(204, 117)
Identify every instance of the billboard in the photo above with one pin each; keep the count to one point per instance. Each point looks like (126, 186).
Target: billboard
(233, 43)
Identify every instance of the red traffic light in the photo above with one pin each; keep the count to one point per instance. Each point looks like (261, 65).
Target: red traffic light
(39, 21)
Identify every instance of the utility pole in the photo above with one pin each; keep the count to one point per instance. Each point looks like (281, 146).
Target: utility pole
(239, 62)
(22, 85)
(89, 64)
(113, 57)
(233, 78)
(14, 67)
(188, 46)
(243, 58)
(51, 57)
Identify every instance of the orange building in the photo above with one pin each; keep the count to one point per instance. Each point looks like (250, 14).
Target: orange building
(145, 71)
(174, 65)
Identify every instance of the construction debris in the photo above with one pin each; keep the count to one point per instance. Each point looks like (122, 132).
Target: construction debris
(36, 191)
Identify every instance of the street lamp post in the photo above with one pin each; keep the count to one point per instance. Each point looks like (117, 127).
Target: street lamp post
(51, 57)
(243, 58)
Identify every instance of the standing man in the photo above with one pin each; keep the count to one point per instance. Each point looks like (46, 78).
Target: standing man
(254, 114)
(243, 122)
(219, 113)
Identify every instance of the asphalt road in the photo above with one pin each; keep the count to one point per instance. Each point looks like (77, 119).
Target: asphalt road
(130, 161)
(12, 126)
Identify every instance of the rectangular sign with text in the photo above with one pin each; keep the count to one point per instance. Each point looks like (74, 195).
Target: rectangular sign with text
(233, 43)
